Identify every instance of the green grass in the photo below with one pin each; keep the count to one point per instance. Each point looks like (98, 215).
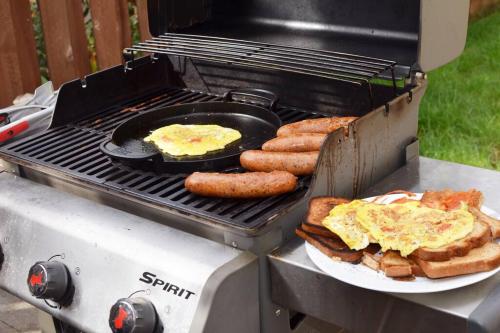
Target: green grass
(460, 112)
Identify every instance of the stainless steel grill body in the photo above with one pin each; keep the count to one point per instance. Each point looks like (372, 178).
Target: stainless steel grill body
(108, 252)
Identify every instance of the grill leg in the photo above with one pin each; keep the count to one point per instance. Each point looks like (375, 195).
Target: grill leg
(61, 327)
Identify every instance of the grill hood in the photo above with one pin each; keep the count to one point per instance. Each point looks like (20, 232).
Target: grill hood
(417, 34)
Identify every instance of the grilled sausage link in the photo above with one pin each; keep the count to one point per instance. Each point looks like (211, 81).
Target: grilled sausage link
(300, 142)
(296, 163)
(241, 185)
(322, 125)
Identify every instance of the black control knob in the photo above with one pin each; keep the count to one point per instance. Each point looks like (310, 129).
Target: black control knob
(49, 280)
(133, 315)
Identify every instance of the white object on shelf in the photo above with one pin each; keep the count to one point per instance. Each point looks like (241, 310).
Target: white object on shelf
(31, 115)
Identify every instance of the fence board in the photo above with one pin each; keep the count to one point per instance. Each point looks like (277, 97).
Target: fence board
(111, 30)
(65, 40)
(142, 15)
(479, 7)
(19, 72)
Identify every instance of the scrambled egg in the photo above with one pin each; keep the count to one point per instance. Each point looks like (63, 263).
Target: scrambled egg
(192, 140)
(404, 227)
(342, 221)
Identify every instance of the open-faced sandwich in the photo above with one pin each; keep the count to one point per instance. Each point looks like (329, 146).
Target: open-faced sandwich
(443, 234)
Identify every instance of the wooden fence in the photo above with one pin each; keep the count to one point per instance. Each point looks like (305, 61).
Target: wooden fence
(66, 43)
(479, 7)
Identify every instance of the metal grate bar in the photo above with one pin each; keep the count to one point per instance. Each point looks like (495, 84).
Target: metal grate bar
(88, 168)
(63, 153)
(64, 145)
(137, 182)
(76, 154)
(34, 143)
(311, 52)
(147, 185)
(260, 57)
(188, 199)
(173, 189)
(354, 69)
(79, 161)
(130, 107)
(163, 185)
(99, 168)
(180, 194)
(130, 177)
(272, 52)
(43, 148)
(121, 114)
(243, 208)
(116, 117)
(119, 174)
(291, 115)
(265, 206)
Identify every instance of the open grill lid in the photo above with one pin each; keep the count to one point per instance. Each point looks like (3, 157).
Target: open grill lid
(417, 34)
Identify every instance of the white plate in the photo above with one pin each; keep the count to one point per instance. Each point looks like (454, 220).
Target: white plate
(364, 277)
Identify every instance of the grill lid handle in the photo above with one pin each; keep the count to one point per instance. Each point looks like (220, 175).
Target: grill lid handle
(267, 95)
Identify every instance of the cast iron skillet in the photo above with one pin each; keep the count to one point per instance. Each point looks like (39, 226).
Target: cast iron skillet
(255, 123)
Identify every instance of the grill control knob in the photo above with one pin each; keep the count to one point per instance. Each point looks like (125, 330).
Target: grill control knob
(49, 280)
(133, 315)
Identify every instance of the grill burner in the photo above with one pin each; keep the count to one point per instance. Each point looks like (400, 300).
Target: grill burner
(74, 150)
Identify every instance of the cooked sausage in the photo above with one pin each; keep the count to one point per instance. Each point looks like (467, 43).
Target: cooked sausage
(321, 125)
(241, 185)
(299, 142)
(296, 163)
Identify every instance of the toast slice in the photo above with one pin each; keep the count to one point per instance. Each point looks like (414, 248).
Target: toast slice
(479, 236)
(448, 199)
(317, 230)
(394, 265)
(333, 248)
(319, 208)
(481, 259)
(492, 222)
(371, 261)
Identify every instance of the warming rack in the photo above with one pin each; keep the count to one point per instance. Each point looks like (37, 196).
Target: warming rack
(354, 69)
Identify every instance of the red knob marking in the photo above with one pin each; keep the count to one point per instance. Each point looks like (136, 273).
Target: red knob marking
(36, 279)
(122, 315)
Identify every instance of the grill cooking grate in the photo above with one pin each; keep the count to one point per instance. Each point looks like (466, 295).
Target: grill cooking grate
(74, 150)
(350, 68)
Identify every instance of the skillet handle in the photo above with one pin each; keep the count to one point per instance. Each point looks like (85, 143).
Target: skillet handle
(109, 148)
(117, 152)
(267, 95)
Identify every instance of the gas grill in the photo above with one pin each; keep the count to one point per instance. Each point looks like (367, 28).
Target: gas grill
(130, 248)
